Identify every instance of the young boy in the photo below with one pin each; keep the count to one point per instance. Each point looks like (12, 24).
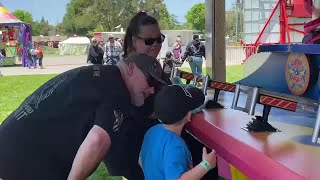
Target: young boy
(168, 64)
(164, 154)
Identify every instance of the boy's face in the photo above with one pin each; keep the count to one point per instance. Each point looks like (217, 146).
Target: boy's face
(139, 88)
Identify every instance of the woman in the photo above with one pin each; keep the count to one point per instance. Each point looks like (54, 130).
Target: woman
(143, 35)
(196, 51)
(177, 49)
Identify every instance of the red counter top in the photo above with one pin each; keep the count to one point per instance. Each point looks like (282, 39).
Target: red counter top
(258, 155)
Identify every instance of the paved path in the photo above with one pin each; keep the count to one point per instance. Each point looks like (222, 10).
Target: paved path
(52, 64)
(13, 71)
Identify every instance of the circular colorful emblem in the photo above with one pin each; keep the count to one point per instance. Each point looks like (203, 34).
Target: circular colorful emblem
(297, 73)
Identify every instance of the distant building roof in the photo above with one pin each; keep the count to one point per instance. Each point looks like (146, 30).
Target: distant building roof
(48, 38)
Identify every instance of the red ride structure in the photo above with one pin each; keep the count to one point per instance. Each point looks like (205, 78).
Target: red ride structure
(288, 9)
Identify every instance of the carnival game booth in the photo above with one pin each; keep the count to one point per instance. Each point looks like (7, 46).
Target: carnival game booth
(15, 37)
(267, 125)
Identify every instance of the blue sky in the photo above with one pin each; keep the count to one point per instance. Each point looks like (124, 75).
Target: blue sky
(53, 10)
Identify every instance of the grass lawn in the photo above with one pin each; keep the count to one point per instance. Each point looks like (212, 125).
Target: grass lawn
(234, 73)
(14, 89)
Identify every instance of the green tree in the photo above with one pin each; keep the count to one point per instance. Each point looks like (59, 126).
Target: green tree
(115, 13)
(234, 22)
(76, 19)
(26, 17)
(159, 10)
(58, 29)
(196, 17)
(83, 16)
(68, 23)
(23, 15)
(174, 23)
(230, 23)
(44, 27)
(87, 16)
(36, 28)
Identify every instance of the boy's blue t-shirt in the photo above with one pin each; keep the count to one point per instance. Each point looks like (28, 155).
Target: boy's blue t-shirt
(164, 155)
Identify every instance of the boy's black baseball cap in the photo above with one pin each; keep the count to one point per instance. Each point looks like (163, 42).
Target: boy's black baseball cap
(173, 102)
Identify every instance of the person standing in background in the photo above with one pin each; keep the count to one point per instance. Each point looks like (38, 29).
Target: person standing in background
(34, 56)
(195, 51)
(40, 55)
(177, 49)
(112, 51)
(101, 45)
(95, 55)
(2, 46)
(121, 42)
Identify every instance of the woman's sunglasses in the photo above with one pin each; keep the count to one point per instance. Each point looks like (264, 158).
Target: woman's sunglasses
(153, 41)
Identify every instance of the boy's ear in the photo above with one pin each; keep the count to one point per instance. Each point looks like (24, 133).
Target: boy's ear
(188, 116)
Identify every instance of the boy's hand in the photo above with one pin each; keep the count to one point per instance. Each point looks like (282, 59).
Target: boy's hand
(211, 158)
(183, 58)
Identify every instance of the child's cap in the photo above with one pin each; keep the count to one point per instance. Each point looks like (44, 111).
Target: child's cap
(173, 102)
(168, 54)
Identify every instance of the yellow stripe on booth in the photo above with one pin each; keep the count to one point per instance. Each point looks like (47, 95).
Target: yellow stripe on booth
(237, 175)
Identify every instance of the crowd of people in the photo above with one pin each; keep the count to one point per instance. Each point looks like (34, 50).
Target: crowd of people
(126, 114)
(194, 54)
(111, 53)
(108, 53)
(35, 56)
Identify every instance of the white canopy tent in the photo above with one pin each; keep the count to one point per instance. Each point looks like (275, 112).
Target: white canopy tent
(74, 46)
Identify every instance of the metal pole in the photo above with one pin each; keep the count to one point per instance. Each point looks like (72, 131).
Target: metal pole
(172, 72)
(253, 101)
(176, 72)
(282, 22)
(215, 42)
(236, 97)
(205, 84)
(236, 35)
(195, 80)
(316, 129)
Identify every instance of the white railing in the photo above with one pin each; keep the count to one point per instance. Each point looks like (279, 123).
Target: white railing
(237, 54)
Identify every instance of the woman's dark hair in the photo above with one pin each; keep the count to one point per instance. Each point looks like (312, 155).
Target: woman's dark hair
(140, 19)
